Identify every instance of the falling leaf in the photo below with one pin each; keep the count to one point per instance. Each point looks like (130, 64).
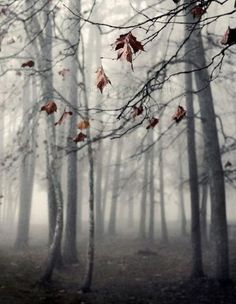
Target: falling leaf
(63, 117)
(137, 111)
(80, 137)
(228, 164)
(198, 11)
(29, 64)
(63, 72)
(127, 45)
(49, 107)
(125, 53)
(83, 124)
(102, 79)
(152, 123)
(179, 114)
(229, 37)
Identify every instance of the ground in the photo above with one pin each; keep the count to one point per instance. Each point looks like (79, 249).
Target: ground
(126, 271)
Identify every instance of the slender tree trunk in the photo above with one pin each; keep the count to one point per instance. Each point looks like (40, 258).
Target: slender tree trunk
(164, 231)
(181, 195)
(70, 250)
(99, 214)
(143, 202)
(107, 178)
(25, 203)
(152, 193)
(54, 249)
(115, 190)
(215, 170)
(197, 267)
(203, 214)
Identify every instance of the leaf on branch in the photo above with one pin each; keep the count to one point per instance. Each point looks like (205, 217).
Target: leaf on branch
(83, 124)
(63, 72)
(102, 79)
(198, 11)
(229, 37)
(63, 117)
(49, 107)
(152, 123)
(179, 114)
(80, 137)
(228, 164)
(136, 111)
(127, 45)
(29, 64)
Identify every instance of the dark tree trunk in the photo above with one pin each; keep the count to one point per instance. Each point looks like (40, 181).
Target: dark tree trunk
(99, 179)
(197, 267)
(215, 170)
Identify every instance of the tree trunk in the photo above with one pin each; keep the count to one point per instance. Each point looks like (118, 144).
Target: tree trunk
(70, 250)
(152, 193)
(164, 231)
(197, 267)
(181, 195)
(99, 178)
(215, 170)
(115, 190)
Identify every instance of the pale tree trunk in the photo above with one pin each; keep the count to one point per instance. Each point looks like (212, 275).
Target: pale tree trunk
(99, 178)
(183, 221)
(164, 231)
(70, 250)
(86, 287)
(54, 186)
(25, 203)
(143, 202)
(152, 195)
(197, 267)
(2, 175)
(215, 170)
(115, 190)
(107, 178)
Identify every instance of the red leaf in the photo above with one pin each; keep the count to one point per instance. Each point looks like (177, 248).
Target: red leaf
(198, 11)
(127, 45)
(49, 107)
(130, 39)
(179, 114)
(63, 117)
(83, 124)
(29, 64)
(137, 111)
(80, 137)
(229, 37)
(152, 123)
(102, 79)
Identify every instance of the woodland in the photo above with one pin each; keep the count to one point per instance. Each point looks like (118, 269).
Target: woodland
(117, 151)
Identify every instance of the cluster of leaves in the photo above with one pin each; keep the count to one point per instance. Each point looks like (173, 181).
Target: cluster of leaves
(50, 107)
(127, 45)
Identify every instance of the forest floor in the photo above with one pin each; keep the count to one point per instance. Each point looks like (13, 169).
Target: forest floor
(126, 271)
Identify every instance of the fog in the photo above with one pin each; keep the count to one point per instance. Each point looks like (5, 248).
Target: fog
(117, 151)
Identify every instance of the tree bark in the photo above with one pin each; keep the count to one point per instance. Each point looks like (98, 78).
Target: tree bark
(197, 267)
(215, 170)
